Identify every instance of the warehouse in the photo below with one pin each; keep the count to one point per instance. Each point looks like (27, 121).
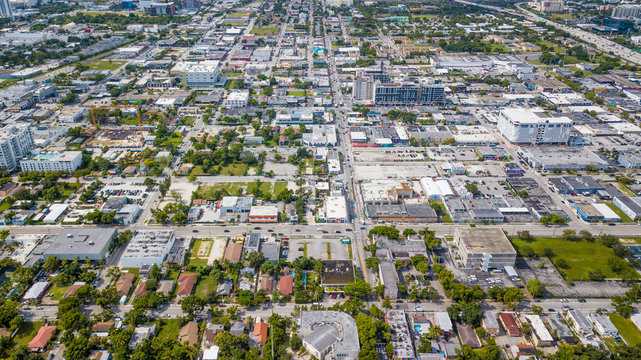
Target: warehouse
(587, 213)
(541, 336)
(148, 247)
(484, 248)
(389, 278)
(608, 214)
(524, 126)
(630, 206)
(263, 214)
(564, 158)
(335, 210)
(414, 213)
(82, 243)
(436, 189)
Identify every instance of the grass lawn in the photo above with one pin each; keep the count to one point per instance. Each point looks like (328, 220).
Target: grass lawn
(197, 259)
(279, 187)
(205, 286)
(425, 16)
(581, 257)
(106, 65)
(169, 329)
(172, 274)
(27, 331)
(296, 92)
(5, 206)
(625, 189)
(197, 171)
(610, 343)
(234, 169)
(237, 14)
(208, 192)
(265, 188)
(265, 30)
(622, 215)
(232, 74)
(627, 329)
(58, 292)
(134, 271)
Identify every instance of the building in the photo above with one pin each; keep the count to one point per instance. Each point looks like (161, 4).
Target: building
(335, 210)
(236, 99)
(337, 274)
(163, 9)
(148, 247)
(141, 333)
(603, 325)
(551, 6)
(627, 11)
(16, 142)
(587, 212)
(52, 161)
(363, 89)
(408, 93)
(490, 324)
(234, 252)
(286, 285)
(443, 321)
(186, 282)
(579, 322)
(510, 325)
(484, 248)
(191, 4)
(124, 284)
(82, 243)
(541, 336)
(561, 157)
(189, 334)
(261, 330)
(40, 341)
(36, 291)
(630, 205)
(5, 9)
(236, 204)
(400, 336)
(524, 126)
(329, 334)
(562, 330)
(320, 135)
(467, 335)
(202, 74)
(388, 277)
(263, 214)
(252, 243)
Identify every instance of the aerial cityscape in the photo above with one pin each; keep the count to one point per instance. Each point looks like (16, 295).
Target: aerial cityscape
(320, 180)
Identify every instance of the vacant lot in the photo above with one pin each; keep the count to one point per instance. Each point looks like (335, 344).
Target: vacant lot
(106, 65)
(27, 331)
(265, 31)
(627, 329)
(199, 255)
(581, 257)
(205, 286)
(212, 192)
(169, 329)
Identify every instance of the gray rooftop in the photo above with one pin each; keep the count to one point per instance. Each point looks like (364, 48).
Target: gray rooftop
(485, 240)
(322, 328)
(79, 242)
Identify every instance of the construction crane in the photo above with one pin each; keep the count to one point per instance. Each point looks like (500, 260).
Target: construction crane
(138, 115)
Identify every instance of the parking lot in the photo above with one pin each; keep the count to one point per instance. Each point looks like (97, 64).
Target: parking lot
(415, 170)
(133, 191)
(318, 247)
(389, 155)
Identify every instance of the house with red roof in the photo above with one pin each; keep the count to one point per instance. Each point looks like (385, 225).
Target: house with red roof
(260, 333)
(40, 341)
(186, 284)
(286, 285)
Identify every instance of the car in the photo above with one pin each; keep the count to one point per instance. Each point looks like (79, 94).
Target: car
(348, 229)
(612, 224)
(256, 227)
(363, 228)
(565, 300)
(551, 310)
(226, 230)
(221, 305)
(270, 230)
(26, 308)
(297, 230)
(338, 231)
(325, 231)
(399, 301)
(39, 308)
(582, 300)
(194, 231)
(300, 257)
(301, 249)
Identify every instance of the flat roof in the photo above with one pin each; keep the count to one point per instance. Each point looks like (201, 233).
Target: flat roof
(148, 243)
(79, 241)
(485, 240)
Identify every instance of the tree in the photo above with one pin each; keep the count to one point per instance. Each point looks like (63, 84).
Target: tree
(569, 235)
(192, 304)
(536, 288)
(51, 264)
(409, 232)
(527, 251)
(525, 236)
(268, 268)
(358, 289)
(372, 263)
(586, 235)
(608, 240)
(434, 333)
(295, 343)
(471, 314)
(473, 189)
(387, 303)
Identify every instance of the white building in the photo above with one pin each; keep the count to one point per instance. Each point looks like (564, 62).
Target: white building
(71, 115)
(627, 11)
(16, 142)
(603, 325)
(335, 209)
(5, 9)
(148, 247)
(236, 99)
(436, 189)
(339, 3)
(55, 211)
(52, 161)
(321, 135)
(524, 126)
(202, 74)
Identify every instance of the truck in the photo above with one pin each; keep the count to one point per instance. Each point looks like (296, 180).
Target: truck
(345, 241)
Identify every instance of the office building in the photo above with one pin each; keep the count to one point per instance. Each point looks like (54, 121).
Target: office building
(524, 126)
(408, 93)
(484, 248)
(335, 210)
(321, 135)
(5, 9)
(16, 141)
(191, 4)
(363, 89)
(263, 214)
(202, 74)
(52, 161)
(236, 99)
(627, 11)
(551, 6)
(329, 334)
(163, 9)
(148, 247)
(82, 243)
